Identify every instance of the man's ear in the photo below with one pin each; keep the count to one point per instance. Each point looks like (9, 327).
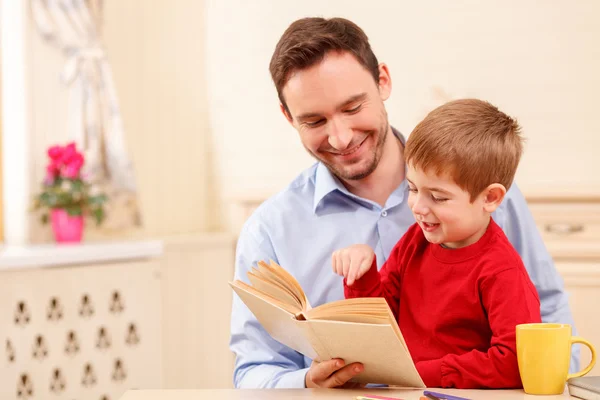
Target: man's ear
(493, 196)
(385, 82)
(286, 114)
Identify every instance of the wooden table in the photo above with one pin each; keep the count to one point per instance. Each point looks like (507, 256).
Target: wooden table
(301, 394)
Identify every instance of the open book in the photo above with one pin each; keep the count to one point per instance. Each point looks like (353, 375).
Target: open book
(355, 330)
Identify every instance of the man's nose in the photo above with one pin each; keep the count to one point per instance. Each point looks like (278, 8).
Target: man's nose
(339, 135)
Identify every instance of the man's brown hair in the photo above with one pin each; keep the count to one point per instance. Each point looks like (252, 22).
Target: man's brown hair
(306, 42)
(470, 139)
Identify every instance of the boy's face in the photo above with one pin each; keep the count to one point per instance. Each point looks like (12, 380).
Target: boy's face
(444, 211)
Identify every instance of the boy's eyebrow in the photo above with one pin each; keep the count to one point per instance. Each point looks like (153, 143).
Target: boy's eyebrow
(432, 189)
(352, 99)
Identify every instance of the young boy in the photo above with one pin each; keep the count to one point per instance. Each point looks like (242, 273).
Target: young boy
(454, 282)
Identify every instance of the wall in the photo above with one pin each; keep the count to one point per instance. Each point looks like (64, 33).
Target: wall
(156, 50)
(1, 186)
(536, 62)
(201, 113)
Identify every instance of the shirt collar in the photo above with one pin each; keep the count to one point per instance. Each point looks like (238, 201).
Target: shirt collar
(326, 182)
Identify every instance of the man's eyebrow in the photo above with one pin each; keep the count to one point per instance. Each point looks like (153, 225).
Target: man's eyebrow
(355, 98)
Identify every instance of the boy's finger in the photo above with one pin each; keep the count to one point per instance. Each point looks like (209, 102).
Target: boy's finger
(354, 270)
(334, 262)
(364, 267)
(351, 278)
(346, 263)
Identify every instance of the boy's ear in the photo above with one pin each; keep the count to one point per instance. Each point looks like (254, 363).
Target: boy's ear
(493, 196)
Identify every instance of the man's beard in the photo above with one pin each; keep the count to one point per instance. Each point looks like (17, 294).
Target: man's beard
(373, 161)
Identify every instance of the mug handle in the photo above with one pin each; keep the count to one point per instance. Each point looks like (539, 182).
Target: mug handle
(577, 339)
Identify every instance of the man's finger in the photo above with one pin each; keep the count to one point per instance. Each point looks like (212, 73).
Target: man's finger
(343, 375)
(322, 371)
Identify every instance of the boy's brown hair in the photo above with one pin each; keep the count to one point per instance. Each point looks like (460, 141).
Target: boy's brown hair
(470, 139)
(306, 42)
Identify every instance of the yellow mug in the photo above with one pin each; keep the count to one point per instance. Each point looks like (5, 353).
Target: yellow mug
(544, 354)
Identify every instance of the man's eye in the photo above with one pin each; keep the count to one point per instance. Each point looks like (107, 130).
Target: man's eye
(314, 123)
(353, 110)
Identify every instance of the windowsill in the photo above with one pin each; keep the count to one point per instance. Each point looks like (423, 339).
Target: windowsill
(53, 255)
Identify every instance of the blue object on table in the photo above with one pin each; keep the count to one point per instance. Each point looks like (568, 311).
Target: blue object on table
(442, 396)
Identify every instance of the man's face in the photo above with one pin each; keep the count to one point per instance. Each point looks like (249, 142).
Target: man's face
(337, 108)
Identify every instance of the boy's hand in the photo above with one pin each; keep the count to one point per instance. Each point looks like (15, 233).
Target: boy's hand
(352, 262)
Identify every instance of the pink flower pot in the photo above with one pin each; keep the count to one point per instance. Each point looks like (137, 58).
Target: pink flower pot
(66, 228)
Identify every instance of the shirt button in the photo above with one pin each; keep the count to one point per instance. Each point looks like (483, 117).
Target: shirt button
(384, 213)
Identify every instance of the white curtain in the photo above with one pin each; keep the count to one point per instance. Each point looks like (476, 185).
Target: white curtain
(94, 119)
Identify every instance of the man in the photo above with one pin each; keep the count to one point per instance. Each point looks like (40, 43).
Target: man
(332, 90)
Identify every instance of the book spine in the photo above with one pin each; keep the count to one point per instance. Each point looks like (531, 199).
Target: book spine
(322, 352)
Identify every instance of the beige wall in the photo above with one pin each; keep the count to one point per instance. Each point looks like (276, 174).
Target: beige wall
(201, 114)
(156, 49)
(537, 61)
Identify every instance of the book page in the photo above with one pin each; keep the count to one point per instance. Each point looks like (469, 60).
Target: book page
(278, 321)
(369, 306)
(273, 289)
(377, 346)
(291, 282)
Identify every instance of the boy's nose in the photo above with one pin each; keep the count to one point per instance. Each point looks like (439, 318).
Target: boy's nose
(419, 208)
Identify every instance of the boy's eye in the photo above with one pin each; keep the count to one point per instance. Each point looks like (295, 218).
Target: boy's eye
(438, 199)
(412, 190)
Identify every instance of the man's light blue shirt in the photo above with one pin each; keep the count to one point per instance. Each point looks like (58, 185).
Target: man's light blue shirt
(300, 227)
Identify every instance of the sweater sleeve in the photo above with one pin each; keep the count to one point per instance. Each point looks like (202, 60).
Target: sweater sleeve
(386, 282)
(509, 298)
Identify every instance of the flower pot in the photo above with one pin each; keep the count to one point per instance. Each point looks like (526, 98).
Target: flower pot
(67, 228)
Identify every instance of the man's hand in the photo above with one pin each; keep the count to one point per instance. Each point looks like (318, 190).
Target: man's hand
(352, 262)
(332, 374)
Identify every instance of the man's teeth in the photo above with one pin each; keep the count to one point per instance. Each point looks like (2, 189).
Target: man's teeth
(351, 151)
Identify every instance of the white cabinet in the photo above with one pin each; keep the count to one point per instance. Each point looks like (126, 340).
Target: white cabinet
(571, 232)
(197, 310)
(80, 332)
(582, 281)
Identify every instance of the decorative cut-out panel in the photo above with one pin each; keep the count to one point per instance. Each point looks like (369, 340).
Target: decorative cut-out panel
(89, 332)
(22, 315)
(86, 308)
(72, 345)
(40, 349)
(10, 352)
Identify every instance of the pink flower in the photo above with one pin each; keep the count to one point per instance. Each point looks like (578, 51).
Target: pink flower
(71, 170)
(55, 152)
(53, 168)
(69, 152)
